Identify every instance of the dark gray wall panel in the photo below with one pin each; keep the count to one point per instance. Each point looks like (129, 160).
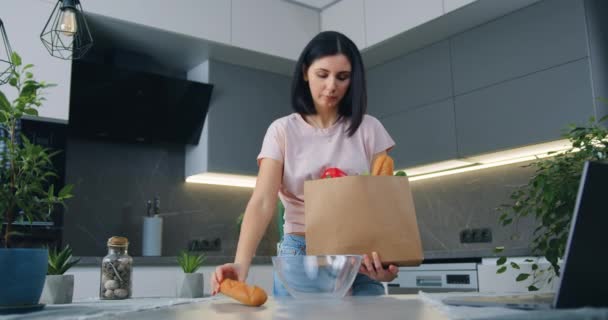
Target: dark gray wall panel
(423, 135)
(419, 78)
(113, 181)
(543, 35)
(524, 111)
(244, 103)
(597, 26)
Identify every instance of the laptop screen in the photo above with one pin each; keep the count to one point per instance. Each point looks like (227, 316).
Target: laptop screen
(584, 278)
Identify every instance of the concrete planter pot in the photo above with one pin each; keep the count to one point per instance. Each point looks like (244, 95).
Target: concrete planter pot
(190, 285)
(58, 289)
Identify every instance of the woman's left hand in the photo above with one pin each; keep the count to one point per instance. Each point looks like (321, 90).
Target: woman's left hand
(373, 269)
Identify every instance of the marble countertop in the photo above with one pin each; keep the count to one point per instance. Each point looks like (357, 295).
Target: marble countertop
(221, 307)
(421, 306)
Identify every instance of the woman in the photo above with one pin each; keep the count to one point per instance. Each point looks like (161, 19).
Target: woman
(328, 129)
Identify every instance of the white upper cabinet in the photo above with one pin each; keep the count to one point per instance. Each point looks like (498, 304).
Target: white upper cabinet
(387, 18)
(346, 16)
(23, 24)
(275, 27)
(451, 5)
(206, 19)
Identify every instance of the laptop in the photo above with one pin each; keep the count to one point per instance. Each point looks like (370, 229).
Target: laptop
(584, 275)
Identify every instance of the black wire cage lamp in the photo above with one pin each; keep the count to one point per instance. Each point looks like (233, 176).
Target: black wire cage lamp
(66, 34)
(6, 64)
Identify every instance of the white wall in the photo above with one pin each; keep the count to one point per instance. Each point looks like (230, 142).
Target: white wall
(24, 21)
(205, 19)
(347, 17)
(275, 27)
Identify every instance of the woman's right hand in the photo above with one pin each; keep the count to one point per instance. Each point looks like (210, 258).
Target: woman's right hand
(226, 271)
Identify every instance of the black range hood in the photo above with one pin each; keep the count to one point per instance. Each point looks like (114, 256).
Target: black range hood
(118, 104)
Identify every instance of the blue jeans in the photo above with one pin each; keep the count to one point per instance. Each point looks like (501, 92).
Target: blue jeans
(294, 245)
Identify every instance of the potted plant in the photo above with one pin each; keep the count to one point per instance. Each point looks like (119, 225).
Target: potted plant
(190, 283)
(59, 287)
(549, 197)
(25, 172)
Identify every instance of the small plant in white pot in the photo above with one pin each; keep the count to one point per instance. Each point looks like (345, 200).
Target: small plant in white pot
(59, 287)
(189, 282)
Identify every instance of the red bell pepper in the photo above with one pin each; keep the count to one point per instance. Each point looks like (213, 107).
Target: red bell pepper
(333, 173)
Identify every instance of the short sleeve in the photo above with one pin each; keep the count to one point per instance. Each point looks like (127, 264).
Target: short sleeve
(379, 139)
(273, 145)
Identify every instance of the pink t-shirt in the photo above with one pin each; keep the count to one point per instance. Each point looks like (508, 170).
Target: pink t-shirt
(307, 151)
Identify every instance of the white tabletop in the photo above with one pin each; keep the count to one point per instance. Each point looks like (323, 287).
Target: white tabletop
(219, 307)
(421, 306)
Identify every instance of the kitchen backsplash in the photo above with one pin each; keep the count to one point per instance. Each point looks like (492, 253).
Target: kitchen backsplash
(114, 181)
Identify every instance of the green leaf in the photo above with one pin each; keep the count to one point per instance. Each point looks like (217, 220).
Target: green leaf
(16, 59)
(522, 277)
(499, 249)
(501, 261)
(60, 261)
(534, 266)
(190, 262)
(31, 111)
(532, 288)
(12, 82)
(66, 191)
(4, 104)
(501, 269)
(514, 265)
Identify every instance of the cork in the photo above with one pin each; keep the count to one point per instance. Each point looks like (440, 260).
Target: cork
(117, 241)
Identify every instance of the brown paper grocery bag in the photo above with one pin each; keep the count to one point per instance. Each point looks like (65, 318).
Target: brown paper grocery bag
(361, 214)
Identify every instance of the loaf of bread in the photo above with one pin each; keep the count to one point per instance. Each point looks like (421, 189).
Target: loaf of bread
(240, 291)
(383, 166)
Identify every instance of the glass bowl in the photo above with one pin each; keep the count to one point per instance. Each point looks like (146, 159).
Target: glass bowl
(326, 276)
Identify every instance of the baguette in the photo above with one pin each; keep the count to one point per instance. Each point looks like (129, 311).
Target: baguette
(240, 291)
(383, 166)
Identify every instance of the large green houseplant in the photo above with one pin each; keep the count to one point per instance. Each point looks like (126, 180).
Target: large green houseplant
(549, 197)
(26, 193)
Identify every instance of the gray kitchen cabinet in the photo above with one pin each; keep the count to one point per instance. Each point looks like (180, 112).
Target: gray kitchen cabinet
(423, 135)
(415, 79)
(523, 111)
(541, 36)
(244, 103)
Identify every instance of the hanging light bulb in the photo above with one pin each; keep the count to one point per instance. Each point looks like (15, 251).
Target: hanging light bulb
(66, 34)
(6, 64)
(68, 25)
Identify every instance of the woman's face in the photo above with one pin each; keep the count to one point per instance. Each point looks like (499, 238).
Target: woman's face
(328, 79)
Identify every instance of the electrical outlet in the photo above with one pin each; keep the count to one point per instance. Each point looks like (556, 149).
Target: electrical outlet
(478, 235)
(486, 235)
(205, 244)
(466, 236)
